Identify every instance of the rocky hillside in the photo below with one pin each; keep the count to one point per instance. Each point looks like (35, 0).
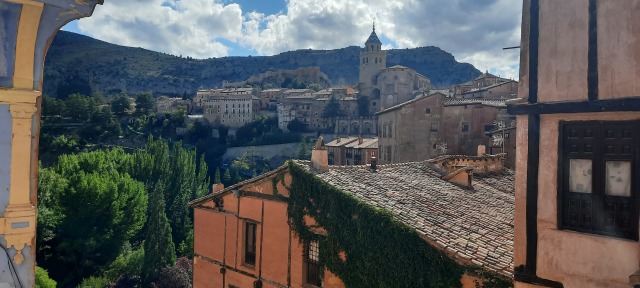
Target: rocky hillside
(77, 63)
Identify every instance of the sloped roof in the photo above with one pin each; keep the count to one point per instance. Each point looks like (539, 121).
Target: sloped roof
(373, 38)
(498, 103)
(485, 88)
(409, 102)
(238, 185)
(474, 226)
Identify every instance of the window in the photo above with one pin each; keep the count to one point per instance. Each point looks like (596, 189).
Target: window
(391, 129)
(488, 128)
(434, 127)
(250, 244)
(427, 111)
(598, 172)
(312, 258)
(465, 127)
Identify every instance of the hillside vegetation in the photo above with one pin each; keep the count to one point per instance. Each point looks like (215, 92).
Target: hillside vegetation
(80, 64)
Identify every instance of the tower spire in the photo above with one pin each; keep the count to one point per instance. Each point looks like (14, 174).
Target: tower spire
(374, 25)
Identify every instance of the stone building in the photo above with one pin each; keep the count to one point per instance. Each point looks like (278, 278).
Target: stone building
(270, 98)
(387, 86)
(166, 105)
(413, 130)
(578, 157)
(243, 236)
(354, 126)
(352, 150)
(434, 124)
(229, 107)
(27, 28)
(484, 80)
(503, 90)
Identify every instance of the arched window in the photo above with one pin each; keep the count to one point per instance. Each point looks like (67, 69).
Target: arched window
(384, 130)
(391, 129)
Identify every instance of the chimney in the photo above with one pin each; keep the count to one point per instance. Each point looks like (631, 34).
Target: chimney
(462, 177)
(482, 150)
(360, 140)
(374, 163)
(217, 187)
(320, 156)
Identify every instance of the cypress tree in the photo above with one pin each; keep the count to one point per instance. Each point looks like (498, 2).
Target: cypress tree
(216, 180)
(159, 250)
(226, 178)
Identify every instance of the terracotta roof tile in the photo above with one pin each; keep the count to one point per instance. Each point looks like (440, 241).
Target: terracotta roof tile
(475, 226)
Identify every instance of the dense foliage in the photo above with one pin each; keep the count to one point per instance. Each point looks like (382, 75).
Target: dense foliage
(93, 210)
(332, 109)
(379, 251)
(263, 131)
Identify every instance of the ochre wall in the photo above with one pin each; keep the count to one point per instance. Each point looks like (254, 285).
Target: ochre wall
(279, 253)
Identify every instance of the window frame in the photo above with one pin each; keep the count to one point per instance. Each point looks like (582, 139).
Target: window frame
(598, 197)
(249, 258)
(311, 264)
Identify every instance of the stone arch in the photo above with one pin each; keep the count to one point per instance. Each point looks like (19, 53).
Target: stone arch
(367, 127)
(344, 127)
(376, 93)
(355, 128)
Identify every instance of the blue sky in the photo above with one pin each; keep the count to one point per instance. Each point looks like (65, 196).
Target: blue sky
(474, 31)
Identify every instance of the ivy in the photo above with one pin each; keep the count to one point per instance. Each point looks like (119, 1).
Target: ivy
(377, 250)
(274, 181)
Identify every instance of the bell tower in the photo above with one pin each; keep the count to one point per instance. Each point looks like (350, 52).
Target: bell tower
(372, 61)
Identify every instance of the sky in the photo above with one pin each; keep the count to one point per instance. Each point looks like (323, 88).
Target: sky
(474, 31)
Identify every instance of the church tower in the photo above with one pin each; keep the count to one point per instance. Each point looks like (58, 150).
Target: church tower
(372, 61)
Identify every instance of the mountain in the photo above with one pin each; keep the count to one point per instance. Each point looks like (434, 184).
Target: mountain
(77, 63)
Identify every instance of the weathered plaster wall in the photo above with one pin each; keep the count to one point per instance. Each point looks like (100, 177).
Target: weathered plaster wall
(5, 156)
(519, 229)
(563, 49)
(573, 258)
(9, 14)
(618, 48)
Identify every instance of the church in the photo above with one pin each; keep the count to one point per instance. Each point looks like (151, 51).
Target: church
(388, 86)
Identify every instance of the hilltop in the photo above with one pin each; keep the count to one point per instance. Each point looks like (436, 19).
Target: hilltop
(77, 63)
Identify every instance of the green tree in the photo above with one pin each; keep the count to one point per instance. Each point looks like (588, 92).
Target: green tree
(306, 145)
(145, 103)
(159, 250)
(52, 107)
(43, 280)
(226, 177)
(120, 105)
(332, 109)
(79, 107)
(216, 179)
(315, 87)
(159, 161)
(112, 211)
(363, 106)
(295, 126)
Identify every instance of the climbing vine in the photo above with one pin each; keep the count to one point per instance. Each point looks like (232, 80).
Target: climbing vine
(377, 250)
(274, 181)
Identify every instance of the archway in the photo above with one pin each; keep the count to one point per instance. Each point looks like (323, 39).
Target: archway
(27, 27)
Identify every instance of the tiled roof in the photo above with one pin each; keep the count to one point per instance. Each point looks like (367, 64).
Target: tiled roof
(341, 141)
(366, 143)
(409, 102)
(485, 88)
(398, 67)
(500, 103)
(473, 226)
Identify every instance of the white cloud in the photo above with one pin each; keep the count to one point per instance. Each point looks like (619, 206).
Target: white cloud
(472, 30)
